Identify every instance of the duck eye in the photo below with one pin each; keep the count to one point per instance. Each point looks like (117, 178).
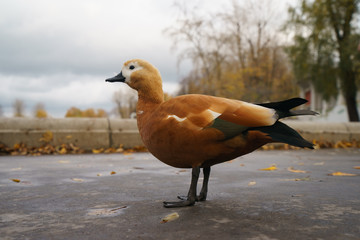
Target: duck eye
(131, 67)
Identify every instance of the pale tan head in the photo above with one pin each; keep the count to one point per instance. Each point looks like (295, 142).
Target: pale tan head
(141, 76)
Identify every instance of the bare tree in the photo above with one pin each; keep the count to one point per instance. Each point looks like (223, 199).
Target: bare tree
(19, 108)
(235, 53)
(125, 102)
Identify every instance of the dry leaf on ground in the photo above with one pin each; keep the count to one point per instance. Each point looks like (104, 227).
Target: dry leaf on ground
(77, 179)
(342, 174)
(252, 183)
(271, 168)
(357, 167)
(170, 217)
(47, 137)
(97, 151)
(64, 161)
(15, 180)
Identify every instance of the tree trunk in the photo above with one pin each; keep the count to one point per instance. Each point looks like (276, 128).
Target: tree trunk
(352, 109)
(348, 82)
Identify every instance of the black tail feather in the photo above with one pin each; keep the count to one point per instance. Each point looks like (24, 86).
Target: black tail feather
(280, 132)
(283, 107)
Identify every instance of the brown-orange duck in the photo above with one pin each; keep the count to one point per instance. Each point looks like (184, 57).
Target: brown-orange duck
(198, 131)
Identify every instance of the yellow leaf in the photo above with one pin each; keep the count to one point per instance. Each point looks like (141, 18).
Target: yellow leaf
(357, 167)
(62, 150)
(170, 217)
(16, 169)
(342, 174)
(64, 161)
(17, 146)
(77, 179)
(47, 137)
(272, 168)
(291, 169)
(15, 180)
(97, 151)
(252, 183)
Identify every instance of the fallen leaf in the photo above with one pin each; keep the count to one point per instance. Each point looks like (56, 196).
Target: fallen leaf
(112, 173)
(342, 174)
(357, 167)
(77, 179)
(272, 168)
(97, 151)
(64, 161)
(252, 183)
(47, 137)
(62, 150)
(99, 174)
(17, 146)
(16, 169)
(15, 180)
(291, 169)
(170, 217)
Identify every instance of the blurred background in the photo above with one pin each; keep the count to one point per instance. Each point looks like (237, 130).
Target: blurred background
(56, 55)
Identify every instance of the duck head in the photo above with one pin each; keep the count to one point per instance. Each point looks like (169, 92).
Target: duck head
(143, 77)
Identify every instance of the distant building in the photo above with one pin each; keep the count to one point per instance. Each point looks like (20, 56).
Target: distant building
(333, 111)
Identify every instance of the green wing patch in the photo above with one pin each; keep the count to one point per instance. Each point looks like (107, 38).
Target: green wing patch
(229, 129)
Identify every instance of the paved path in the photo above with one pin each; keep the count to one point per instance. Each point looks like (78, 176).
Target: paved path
(76, 197)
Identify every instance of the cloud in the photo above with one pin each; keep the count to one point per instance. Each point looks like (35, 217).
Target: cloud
(42, 37)
(60, 52)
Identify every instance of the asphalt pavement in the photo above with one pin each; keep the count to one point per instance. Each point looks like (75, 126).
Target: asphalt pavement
(119, 196)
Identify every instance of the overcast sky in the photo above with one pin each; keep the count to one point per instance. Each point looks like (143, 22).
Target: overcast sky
(60, 52)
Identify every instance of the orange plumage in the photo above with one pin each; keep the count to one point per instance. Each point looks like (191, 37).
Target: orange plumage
(198, 131)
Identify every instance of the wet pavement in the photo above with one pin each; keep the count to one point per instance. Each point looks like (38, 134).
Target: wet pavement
(120, 197)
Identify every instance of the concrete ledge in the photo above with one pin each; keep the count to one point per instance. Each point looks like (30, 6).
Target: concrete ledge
(325, 131)
(89, 133)
(86, 133)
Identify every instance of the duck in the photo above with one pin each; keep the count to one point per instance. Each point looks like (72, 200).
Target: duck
(198, 131)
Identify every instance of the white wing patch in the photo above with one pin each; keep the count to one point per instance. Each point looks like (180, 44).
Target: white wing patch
(214, 114)
(176, 118)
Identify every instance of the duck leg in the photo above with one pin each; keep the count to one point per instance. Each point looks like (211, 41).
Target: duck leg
(191, 197)
(204, 189)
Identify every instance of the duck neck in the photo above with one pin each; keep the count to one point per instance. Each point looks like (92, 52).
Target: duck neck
(148, 100)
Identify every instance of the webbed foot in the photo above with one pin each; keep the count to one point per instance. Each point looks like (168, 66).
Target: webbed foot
(183, 203)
